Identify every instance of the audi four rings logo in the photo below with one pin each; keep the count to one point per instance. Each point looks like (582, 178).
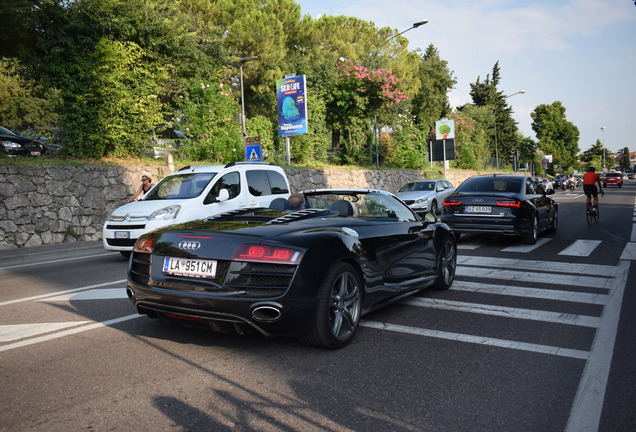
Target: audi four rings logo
(189, 245)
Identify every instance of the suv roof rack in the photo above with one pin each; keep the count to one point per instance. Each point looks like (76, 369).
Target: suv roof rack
(231, 164)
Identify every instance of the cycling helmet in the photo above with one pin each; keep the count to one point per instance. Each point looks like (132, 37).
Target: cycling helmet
(591, 168)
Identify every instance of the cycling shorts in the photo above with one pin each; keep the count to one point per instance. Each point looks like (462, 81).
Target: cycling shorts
(590, 190)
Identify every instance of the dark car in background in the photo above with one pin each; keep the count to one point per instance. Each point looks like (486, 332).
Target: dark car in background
(12, 144)
(501, 204)
(309, 273)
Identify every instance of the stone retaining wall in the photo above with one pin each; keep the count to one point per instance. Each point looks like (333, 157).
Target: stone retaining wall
(50, 205)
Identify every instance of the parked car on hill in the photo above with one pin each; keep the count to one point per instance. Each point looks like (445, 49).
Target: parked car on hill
(425, 195)
(165, 139)
(309, 273)
(13, 144)
(193, 193)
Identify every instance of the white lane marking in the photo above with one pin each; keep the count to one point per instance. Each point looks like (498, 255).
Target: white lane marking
(581, 248)
(506, 312)
(539, 266)
(629, 253)
(480, 340)
(94, 294)
(588, 403)
(53, 294)
(67, 332)
(527, 248)
(20, 331)
(469, 246)
(538, 293)
(55, 261)
(548, 278)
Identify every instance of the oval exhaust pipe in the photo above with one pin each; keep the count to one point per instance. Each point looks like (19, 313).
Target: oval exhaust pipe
(130, 294)
(267, 313)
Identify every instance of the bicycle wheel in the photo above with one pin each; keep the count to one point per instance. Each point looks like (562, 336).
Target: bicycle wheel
(588, 216)
(596, 214)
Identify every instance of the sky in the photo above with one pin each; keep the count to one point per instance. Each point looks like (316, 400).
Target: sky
(579, 52)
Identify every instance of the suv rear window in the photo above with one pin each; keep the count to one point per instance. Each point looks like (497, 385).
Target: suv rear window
(265, 182)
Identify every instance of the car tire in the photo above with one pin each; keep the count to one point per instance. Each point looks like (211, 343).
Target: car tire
(338, 311)
(531, 237)
(604, 184)
(434, 208)
(446, 264)
(555, 222)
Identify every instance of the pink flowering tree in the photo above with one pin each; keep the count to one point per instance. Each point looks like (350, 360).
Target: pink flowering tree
(206, 114)
(358, 96)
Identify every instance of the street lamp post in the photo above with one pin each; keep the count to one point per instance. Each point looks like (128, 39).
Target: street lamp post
(241, 61)
(604, 165)
(494, 122)
(375, 118)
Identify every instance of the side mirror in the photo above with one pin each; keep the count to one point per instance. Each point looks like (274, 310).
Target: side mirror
(430, 218)
(224, 195)
(550, 192)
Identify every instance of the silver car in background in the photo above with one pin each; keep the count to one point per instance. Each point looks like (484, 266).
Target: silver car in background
(425, 196)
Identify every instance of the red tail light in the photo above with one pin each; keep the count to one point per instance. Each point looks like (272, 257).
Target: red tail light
(265, 253)
(145, 245)
(509, 203)
(451, 202)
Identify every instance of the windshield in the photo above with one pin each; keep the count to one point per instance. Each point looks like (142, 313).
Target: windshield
(5, 131)
(418, 186)
(182, 186)
(369, 206)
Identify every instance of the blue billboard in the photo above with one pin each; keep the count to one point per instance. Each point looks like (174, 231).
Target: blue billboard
(292, 106)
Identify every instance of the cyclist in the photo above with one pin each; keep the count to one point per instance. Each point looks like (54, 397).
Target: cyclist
(590, 180)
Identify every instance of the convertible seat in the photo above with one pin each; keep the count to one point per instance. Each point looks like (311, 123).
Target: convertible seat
(344, 208)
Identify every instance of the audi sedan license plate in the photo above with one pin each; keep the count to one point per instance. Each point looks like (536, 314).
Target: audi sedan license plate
(478, 209)
(189, 267)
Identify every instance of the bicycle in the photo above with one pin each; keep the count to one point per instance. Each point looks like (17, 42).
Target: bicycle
(590, 213)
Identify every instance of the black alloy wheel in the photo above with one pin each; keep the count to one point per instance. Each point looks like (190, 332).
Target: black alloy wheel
(531, 237)
(338, 312)
(555, 222)
(446, 264)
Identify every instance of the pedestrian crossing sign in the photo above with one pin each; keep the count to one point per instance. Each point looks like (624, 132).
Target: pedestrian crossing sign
(253, 149)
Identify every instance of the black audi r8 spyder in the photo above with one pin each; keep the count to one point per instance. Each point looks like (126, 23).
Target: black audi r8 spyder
(309, 273)
(505, 204)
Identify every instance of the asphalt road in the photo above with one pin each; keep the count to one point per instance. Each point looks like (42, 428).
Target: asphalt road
(528, 339)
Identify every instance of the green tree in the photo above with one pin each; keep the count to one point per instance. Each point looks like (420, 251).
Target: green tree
(206, 114)
(624, 160)
(359, 95)
(111, 104)
(24, 104)
(557, 136)
(596, 150)
(431, 101)
(503, 131)
(471, 147)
